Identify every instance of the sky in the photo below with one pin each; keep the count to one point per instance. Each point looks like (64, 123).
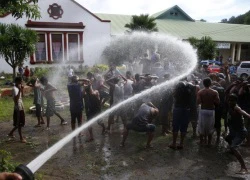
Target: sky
(209, 10)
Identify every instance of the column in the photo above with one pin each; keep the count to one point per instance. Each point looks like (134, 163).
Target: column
(81, 46)
(32, 59)
(49, 47)
(65, 43)
(233, 52)
(238, 52)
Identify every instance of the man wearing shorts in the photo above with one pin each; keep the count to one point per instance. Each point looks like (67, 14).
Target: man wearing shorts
(76, 102)
(237, 130)
(93, 108)
(207, 98)
(48, 92)
(18, 116)
(38, 100)
(142, 122)
(181, 113)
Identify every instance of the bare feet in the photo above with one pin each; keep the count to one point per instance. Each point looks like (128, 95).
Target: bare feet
(11, 136)
(64, 123)
(149, 146)
(172, 146)
(180, 146)
(38, 125)
(164, 134)
(243, 171)
(23, 140)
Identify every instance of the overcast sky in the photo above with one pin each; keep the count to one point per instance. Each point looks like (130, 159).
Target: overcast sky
(210, 10)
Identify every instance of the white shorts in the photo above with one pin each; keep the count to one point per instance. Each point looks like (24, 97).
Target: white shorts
(206, 122)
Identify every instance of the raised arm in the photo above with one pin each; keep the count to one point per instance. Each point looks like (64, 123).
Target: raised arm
(242, 112)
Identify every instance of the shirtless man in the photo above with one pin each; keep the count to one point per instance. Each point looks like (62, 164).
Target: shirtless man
(207, 98)
(48, 93)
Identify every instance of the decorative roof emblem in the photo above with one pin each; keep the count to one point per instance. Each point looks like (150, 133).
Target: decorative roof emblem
(55, 11)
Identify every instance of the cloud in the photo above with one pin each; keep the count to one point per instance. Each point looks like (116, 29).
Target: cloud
(210, 10)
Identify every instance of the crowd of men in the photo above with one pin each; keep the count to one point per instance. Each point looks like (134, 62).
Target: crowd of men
(200, 99)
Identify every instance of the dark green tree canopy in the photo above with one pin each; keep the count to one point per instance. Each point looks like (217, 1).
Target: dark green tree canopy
(241, 19)
(16, 43)
(20, 8)
(142, 23)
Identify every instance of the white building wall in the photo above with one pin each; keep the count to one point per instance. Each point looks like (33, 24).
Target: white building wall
(95, 34)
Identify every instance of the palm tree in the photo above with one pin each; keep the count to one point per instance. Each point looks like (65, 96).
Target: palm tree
(16, 43)
(206, 47)
(142, 23)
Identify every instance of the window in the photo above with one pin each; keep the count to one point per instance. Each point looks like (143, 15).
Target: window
(73, 47)
(173, 13)
(57, 47)
(40, 53)
(245, 65)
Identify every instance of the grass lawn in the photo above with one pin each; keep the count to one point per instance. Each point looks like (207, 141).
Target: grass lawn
(7, 107)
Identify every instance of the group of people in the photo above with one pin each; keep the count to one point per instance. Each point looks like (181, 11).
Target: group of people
(25, 72)
(202, 103)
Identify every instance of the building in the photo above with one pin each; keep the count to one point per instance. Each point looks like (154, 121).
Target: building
(233, 40)
(68, 33)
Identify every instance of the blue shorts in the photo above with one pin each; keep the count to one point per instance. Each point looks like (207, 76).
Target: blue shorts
(180, 119)
(235, 138)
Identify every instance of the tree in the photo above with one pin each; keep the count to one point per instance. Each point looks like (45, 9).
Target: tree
(16, 43)
(142, 23)
(19, 8)
(241, 19)
(206, 47)
(194, 42)
(203, 20)
(224, 20)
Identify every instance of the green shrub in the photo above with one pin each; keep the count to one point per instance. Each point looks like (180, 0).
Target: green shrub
(7, 164)
(39, 72)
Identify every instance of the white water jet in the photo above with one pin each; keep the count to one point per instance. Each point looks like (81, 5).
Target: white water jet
(184, 61)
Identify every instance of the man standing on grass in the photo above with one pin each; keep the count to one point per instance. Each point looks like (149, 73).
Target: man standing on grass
(18, 116)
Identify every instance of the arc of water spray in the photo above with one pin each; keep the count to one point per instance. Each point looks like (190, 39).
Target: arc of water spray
(46, 155)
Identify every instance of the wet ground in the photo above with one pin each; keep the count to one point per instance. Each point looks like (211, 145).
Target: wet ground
(104, 159)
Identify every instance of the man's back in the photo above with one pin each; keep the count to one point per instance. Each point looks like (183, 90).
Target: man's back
(208, 98)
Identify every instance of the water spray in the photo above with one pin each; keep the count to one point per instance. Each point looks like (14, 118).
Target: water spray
(27, 172)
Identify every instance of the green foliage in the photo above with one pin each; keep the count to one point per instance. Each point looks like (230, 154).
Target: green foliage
(241, 19)
(16, 43)
(19, 8)
(194, 42)
(8, 104)
(99, 68)
(206, 47)
(142, 23)
(6, 163)
(39, 72)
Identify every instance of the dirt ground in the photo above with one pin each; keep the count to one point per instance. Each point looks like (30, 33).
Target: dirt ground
(104, 159)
